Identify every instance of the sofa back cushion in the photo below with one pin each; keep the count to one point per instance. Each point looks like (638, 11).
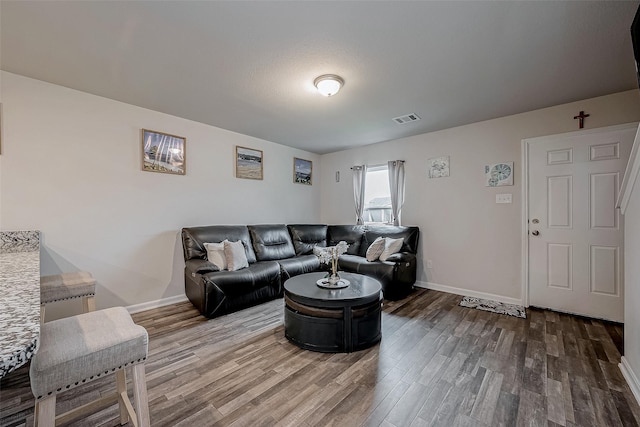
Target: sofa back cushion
(352, 234)
(271, 242)
(409, 234)
(306, 236)
(194, 238)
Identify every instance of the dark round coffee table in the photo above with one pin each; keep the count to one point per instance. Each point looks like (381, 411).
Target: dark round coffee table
(333, 320)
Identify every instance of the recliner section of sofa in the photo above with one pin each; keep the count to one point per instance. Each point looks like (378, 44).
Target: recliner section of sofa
(214, 292)
(277, 252)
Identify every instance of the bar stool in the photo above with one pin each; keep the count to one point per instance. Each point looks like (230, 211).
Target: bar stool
(60, 287)
(79, 349)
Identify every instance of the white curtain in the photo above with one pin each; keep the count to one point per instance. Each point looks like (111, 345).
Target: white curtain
(359, 175)
(396, 187)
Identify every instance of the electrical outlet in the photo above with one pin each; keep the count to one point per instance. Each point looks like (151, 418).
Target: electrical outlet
(429, 264)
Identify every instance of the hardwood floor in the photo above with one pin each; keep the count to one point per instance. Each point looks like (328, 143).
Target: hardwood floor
(438, 364)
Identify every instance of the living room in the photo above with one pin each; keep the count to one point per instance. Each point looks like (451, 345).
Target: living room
(70, 167)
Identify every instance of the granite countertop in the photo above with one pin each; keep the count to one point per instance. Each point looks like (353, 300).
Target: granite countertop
(19, 299)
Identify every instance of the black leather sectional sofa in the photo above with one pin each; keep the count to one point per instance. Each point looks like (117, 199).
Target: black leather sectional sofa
(276, 252)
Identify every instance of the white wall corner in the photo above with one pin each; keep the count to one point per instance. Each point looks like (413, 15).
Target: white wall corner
(630, 376)
(630, 175)
(468, 292)
(137, 308)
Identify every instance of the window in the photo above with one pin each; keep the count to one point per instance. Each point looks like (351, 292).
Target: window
(377, 197)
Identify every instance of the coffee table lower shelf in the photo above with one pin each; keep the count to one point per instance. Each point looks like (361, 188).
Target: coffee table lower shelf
(333, 329)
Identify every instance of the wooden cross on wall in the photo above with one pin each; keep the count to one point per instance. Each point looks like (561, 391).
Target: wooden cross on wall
(581, 116)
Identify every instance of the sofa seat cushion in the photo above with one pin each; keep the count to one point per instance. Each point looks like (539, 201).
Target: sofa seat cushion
(299, 265)
(383, 271)
(257, 275)
(397, 277)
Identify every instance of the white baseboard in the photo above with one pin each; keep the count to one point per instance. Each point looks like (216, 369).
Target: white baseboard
(137, 308)
(630, 376)
(468, 293)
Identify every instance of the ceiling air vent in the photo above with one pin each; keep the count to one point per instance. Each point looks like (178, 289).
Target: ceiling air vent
(413, 117)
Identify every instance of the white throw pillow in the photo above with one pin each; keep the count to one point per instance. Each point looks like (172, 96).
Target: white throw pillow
(215, 254)
(391, 246)
(235, 255)
(375, 250)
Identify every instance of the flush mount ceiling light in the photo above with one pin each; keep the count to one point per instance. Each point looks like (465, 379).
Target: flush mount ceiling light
(328, 84)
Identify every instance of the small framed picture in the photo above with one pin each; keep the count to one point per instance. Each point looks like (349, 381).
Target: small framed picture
(248, 163)
(302, 170)
(162, 152)
(439, 167)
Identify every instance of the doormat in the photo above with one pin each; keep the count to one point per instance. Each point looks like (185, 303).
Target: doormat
(494, 306)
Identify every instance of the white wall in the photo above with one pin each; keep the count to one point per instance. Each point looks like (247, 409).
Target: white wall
(71, 168)
(474, 243)
(631, 360)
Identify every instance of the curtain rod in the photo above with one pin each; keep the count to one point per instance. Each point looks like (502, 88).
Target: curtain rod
(358, 167)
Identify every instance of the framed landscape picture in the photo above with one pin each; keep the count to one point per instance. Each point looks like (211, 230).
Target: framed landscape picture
(162, 152)
(248, 163)
(302, 170)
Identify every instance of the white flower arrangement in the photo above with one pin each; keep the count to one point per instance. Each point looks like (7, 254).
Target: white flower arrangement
(330, 254)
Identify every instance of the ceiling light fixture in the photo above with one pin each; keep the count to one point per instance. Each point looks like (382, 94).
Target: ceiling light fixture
(328, 84)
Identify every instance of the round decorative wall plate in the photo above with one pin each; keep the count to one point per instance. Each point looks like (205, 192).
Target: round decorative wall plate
(499, 174)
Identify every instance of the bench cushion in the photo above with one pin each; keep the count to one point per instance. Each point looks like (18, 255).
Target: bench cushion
(63, 286)
(77, 349)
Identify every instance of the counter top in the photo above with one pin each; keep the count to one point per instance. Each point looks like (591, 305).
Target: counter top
(19, 299)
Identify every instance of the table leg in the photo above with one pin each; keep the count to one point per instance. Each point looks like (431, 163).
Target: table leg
(346, 321)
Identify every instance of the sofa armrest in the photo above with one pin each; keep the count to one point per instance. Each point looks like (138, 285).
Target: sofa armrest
(401, 257)
(199, 266)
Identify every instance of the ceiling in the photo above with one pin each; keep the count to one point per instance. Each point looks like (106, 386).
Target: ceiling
(249, 66)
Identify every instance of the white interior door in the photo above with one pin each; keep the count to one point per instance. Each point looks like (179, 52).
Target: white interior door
(575, 231)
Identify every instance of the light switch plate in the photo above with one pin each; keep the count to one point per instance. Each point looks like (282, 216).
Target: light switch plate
(504, 198)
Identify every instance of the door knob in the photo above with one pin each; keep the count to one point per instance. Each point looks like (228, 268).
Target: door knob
(535, 232)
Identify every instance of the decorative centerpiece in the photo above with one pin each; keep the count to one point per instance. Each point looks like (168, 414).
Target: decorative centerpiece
(328, 255)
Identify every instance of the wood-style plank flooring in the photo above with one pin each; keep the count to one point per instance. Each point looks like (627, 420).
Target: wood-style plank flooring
(438, 364)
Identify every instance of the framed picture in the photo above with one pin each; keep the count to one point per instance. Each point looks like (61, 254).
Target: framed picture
(162, 152)
(302, 170)
(498, 174)
(439, 167)
(248, 163)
